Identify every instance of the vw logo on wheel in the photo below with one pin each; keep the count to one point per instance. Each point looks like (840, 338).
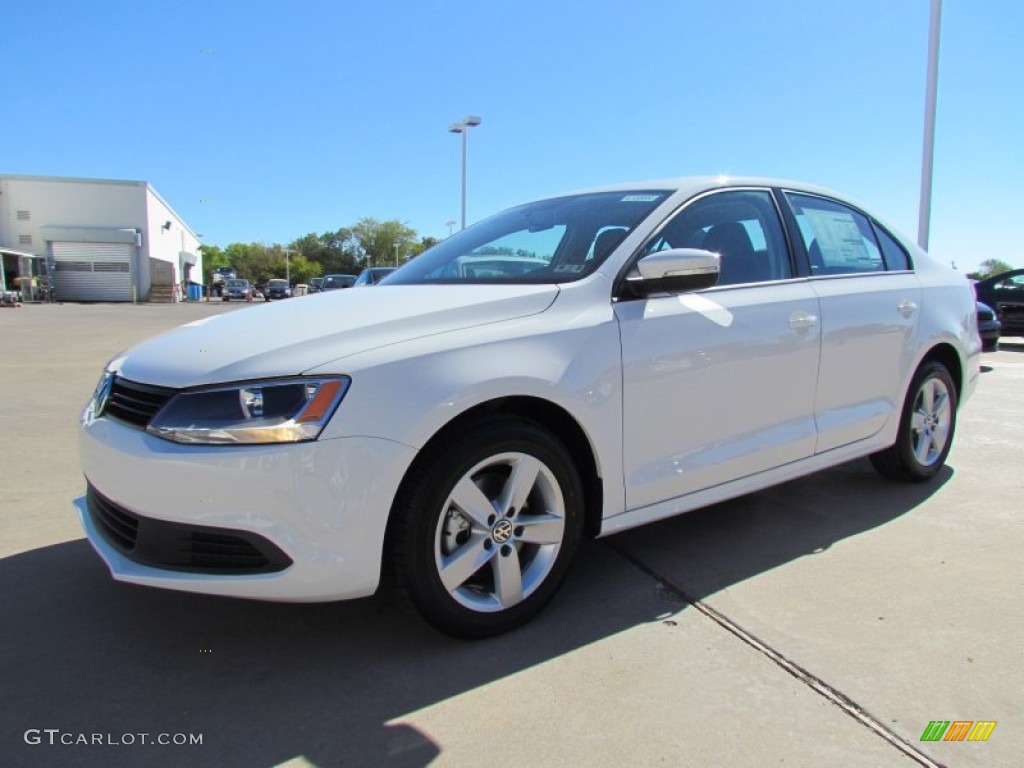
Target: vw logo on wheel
(502, 531)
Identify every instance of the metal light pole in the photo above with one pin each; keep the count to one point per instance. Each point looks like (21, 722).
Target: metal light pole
(463, 128)
(925, 211)
(288, 266)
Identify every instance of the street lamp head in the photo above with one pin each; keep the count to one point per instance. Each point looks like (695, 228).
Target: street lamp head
(472, 120)
(456, 128)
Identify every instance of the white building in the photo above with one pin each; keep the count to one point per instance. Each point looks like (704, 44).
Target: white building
(95, 239)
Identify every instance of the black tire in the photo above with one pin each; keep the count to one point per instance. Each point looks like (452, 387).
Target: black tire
(926, 428)
(454, 504)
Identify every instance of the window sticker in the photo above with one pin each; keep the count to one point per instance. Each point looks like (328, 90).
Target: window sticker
(569, 268)
(838, 237)
(640, 198)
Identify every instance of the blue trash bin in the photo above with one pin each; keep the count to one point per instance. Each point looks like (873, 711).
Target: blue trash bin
(195, 292)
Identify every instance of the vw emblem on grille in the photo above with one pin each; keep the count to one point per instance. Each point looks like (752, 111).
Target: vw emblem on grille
(99, 399)
(103, 394)
(502, 531)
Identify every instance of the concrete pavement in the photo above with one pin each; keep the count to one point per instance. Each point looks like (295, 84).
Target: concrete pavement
(823, 622)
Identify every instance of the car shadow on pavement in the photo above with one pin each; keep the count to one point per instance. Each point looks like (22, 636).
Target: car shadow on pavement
(722, 545)
(267, 683)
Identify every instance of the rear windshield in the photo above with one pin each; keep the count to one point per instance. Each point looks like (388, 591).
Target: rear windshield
(335, 281)
(551, 241)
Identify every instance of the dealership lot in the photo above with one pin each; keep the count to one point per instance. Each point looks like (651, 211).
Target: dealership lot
(826, 621)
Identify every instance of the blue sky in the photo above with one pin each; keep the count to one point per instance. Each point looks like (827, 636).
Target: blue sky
(264, 121)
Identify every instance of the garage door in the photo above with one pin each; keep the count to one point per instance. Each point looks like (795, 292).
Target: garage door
(93, 271)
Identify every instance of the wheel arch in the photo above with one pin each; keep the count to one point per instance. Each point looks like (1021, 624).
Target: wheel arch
(545, 414)
(947, 355)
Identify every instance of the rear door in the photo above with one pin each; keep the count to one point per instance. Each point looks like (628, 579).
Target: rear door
(870, 299)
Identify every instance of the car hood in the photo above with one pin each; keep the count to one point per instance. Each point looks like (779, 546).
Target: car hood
(289, 338)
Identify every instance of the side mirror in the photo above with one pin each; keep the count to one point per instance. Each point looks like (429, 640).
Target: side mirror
(677, 270)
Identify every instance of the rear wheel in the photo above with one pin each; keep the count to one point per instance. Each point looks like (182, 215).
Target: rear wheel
(486, 527)
(926, 428)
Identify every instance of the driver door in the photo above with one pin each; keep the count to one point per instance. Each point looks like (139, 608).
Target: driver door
(719, 384)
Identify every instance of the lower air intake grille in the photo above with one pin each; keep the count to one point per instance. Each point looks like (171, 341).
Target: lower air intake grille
(181, 547)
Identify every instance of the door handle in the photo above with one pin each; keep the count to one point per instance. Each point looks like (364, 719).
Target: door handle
(801, 320)
(907, 307)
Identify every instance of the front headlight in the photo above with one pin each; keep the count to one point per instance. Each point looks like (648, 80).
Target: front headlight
(280, 411)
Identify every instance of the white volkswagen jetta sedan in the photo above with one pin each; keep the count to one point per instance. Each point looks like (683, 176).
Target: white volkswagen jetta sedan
(572, 367)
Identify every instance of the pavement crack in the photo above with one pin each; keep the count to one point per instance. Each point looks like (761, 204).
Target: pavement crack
(812, 681)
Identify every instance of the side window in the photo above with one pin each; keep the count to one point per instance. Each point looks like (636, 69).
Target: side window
(839, 240)
(895, 257)
(741, 226)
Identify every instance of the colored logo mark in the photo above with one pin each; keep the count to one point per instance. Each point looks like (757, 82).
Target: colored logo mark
(958, 730)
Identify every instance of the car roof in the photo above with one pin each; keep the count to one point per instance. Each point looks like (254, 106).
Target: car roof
(698, 184)
(993, 279)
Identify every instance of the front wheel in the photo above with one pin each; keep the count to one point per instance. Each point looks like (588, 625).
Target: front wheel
(926, 428)
(486, 526)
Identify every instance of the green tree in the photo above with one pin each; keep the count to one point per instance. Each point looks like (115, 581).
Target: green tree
(255, 262)
(213, 257)
(303, 270)
(426, 243)
(335, 252)
(384, 243)
(990, 267)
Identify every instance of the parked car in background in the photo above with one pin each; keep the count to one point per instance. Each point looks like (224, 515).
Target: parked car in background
(276, 289)
(316, 285)
(372, 276)
(1005, 294)
(989, 327)
(672, 345)
(220, 274)
(238, 288)
(334, 282)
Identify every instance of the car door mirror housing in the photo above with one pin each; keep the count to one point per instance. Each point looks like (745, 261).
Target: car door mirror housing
(677, 270)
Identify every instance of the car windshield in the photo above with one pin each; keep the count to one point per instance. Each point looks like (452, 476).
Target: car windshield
(277, 283)
(551, 241)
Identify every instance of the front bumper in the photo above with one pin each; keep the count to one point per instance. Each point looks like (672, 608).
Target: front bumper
(323, 504)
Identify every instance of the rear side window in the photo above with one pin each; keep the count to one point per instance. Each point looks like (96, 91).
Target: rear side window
(895, 257)
(839, 240)
(1015, 283)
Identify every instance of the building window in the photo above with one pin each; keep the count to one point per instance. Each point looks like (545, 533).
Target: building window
(25, 239)
(24, 216)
